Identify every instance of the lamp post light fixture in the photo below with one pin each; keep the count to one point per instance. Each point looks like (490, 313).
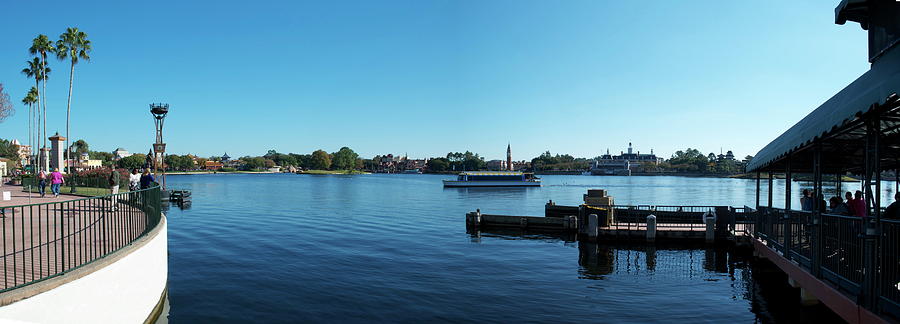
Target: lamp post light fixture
(159, 112)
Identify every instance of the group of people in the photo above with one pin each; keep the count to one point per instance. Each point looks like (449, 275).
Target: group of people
(136, 181)
(855, 205)
(55, 178)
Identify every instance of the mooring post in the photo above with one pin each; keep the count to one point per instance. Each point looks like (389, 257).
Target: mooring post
(710, 219)
(571, 223)
(651, 228)
(473, 219)
(593, 220)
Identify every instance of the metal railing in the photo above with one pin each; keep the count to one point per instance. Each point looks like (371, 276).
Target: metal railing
(889, 254)
(41, 241)
(839, 250)
(687, 217)
(842, 255)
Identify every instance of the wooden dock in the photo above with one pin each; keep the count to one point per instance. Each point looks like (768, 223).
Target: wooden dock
(710, 224)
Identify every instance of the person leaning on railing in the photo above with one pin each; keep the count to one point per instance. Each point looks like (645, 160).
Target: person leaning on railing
(893, 210)
(838, 207)
(147, 179)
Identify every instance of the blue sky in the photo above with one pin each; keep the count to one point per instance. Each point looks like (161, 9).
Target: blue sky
(430, 77)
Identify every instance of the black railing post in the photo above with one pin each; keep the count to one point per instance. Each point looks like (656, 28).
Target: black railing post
(787, 210)
(757, 190)
(815, 228)
(871, 178)
(771, 188)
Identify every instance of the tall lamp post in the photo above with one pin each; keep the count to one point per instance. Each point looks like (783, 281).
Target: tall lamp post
(159, 112)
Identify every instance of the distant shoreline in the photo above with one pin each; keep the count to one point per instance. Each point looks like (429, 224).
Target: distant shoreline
(211, 172)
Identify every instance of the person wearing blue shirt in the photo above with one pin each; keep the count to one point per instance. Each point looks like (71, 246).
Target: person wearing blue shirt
(147, 179)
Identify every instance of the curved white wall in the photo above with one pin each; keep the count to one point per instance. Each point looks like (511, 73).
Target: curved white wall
(125, 291)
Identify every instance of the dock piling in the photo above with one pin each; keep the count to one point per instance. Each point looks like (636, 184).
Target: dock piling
(593, 221)
(651, 228)
(710, 220)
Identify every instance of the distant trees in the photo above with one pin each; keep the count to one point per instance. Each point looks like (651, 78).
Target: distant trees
(106, 157)
(344, 159)
(320, 160)
(547, 161)
(135, 161)
(79, 146)
(8, 150)
(6, 107)
(74, 45)
(465, 161)
(281, 159)
(690, 160)
(438, 164)
(179, 162)
(253, 163)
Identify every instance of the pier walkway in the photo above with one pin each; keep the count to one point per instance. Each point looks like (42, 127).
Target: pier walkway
(45, 237)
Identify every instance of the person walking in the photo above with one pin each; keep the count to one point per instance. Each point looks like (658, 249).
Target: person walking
(114, 187)
(134, 180)
(147, 179)
(42, 183)
(56, 180)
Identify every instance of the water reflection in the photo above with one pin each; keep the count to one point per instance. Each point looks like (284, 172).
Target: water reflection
(180, 204)
(721, 271)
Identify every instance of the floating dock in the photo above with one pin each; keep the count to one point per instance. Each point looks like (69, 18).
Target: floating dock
(599, 219)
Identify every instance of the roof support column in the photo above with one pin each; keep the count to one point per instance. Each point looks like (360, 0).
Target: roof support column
(787, 208)
(771, 180)
(757, 190)
(815, 229)
(872, 178)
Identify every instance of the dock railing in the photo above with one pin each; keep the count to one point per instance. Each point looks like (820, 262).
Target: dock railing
(739, 220)
(838, 250)
(42, 241)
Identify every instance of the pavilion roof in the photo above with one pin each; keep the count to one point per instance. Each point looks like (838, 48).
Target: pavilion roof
(835, 118)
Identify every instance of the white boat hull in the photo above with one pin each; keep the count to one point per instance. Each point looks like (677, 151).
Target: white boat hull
(453, 183)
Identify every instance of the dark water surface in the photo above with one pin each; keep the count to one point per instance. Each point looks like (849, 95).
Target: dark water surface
(394, 248)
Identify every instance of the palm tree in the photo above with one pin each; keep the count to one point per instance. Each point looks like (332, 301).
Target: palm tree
(41, 46)
(29, 100)
(39, 72)
(74, 45)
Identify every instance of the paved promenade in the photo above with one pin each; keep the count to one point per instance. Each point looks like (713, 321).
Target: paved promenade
(53, 234)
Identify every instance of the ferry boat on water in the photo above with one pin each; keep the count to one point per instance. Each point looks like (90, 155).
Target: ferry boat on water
(494, 179)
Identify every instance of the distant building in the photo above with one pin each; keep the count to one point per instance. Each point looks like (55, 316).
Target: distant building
(213, 165)
(520, 165)
(497, 165)
(634, 158)
(623, 163)
(84, 162)
(414, 164)
(120, 153)
(23, 151)
(727, 156)
(4, 167)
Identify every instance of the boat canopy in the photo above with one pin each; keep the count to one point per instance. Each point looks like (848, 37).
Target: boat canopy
(875, 89)
(491, 173)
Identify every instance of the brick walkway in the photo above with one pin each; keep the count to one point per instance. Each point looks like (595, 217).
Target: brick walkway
(53, 235)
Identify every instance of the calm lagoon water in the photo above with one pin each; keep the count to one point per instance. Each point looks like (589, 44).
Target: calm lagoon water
(394, 248)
